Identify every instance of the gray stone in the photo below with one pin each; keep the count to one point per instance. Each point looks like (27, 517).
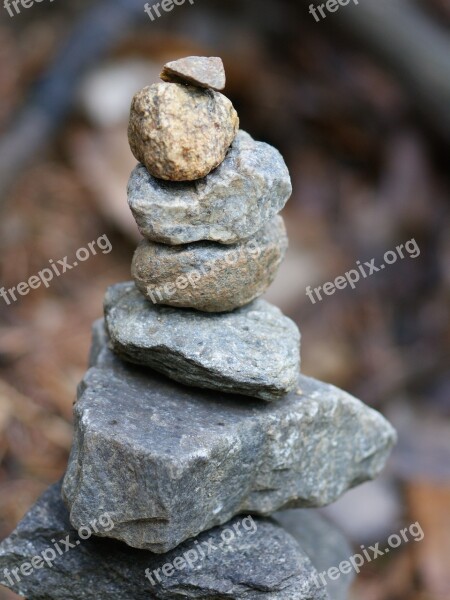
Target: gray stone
(262, 562)
(202, 71)
(231, 204)
(179, 132)
(325, 545)
(209, 276)
(380, 508)
(254, 351)
(167, 462)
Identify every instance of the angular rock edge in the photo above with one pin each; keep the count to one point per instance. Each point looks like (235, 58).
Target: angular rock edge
(254, 350)
(265, 562)
(209, 456)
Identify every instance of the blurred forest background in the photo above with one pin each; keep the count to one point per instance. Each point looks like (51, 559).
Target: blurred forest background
(358, 104)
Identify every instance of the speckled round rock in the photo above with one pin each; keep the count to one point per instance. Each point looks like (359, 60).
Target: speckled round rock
(208, 276)
(181, 132)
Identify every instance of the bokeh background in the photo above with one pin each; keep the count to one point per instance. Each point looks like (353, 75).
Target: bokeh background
(358, 103)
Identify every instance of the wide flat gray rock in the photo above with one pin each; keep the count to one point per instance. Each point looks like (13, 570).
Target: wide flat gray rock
(254, 350)
(230, 204)
(209, 276)
(262, 562)
(167, 462)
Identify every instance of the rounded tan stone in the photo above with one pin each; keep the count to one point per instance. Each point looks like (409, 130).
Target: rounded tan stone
(209, 276)
(181, 132)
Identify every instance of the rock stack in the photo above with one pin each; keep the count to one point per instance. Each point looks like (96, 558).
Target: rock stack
(193, 424)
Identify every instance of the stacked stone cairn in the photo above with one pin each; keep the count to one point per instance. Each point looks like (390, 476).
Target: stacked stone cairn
(193, 425)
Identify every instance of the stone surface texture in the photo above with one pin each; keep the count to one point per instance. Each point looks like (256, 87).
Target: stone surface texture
(325, 545)
(231, 204)
(254, 350)
(209, 276)
(168, 463)
(202, 71)
(264, 563)
(179, 132)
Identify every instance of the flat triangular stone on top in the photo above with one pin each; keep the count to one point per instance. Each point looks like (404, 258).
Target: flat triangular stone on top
(201, 71)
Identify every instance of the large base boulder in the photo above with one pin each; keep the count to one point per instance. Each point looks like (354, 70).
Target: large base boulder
(249, 558)
(167, 462)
